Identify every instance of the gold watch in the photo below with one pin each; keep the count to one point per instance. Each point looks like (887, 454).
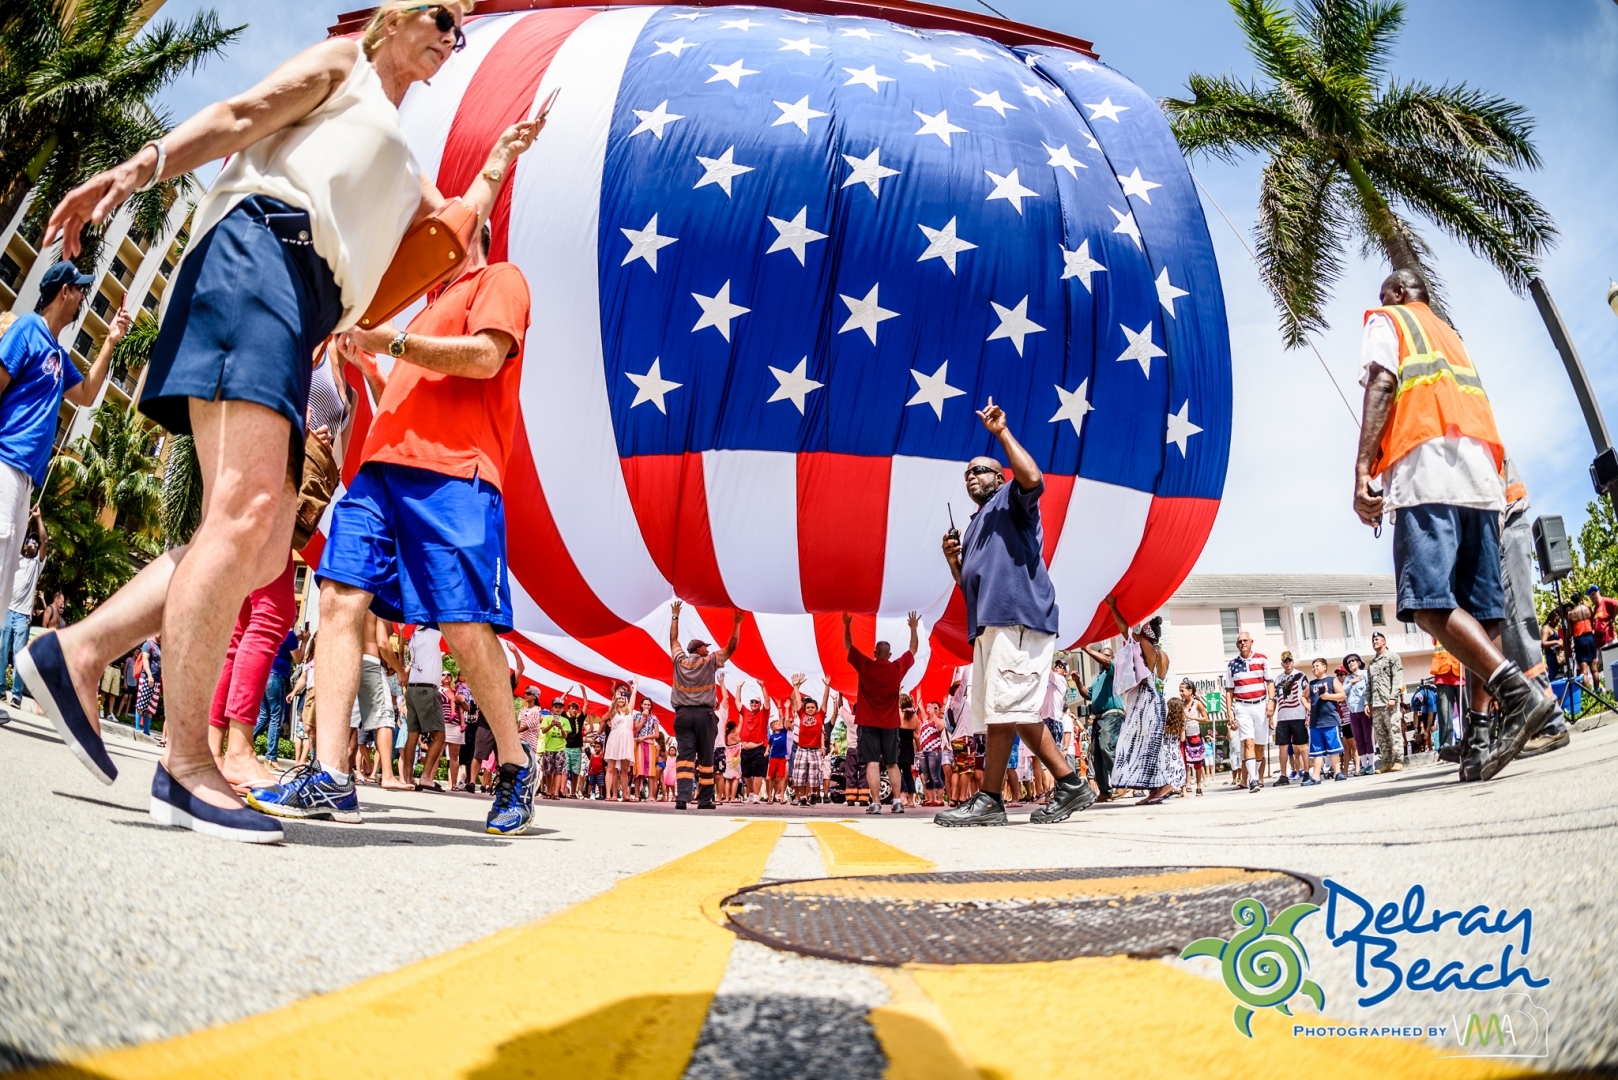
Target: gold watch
(396, 347)
(493, 175)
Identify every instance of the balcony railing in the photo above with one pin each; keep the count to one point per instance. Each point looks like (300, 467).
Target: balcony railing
(1335, 648)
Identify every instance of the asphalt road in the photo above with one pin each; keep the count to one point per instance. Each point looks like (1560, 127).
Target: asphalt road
(116, 931)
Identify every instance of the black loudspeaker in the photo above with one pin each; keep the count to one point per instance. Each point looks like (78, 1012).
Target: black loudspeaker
(1550, 547)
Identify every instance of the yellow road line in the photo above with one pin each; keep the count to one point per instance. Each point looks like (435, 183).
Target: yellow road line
(616, 986)
(1145, 1019)
(848, 853)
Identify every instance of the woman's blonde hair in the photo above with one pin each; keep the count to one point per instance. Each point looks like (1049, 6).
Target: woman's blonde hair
(389, 11)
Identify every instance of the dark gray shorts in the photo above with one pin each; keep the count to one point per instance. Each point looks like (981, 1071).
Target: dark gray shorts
(1447, 557)
(424, 713)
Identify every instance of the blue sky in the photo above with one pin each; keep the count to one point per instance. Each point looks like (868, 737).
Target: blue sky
(1286, 507)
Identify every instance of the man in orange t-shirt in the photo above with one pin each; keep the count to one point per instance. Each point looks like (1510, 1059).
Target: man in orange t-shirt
(420, 536)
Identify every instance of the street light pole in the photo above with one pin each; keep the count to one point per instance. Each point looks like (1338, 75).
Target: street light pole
(1604, 469)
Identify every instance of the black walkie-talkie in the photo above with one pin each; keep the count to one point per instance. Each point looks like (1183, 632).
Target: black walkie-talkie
(954, 533)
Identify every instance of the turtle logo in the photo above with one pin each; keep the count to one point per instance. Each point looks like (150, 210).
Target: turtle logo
(1264, 963)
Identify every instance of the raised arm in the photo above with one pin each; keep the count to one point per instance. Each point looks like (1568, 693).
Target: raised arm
(796, 701)
(848, 632)
(735, 639)
(283, 97)
(41, 533)
(1022, 464)
(674, 629)
(915, 634)
(84, 394)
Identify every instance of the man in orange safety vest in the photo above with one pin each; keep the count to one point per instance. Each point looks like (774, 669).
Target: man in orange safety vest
(1428, 432)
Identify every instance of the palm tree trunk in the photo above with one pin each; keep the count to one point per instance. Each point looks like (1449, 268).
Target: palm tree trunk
(1395, 244)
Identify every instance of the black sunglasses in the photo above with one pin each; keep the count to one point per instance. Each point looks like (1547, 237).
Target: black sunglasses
(445, 21)
(978, 469)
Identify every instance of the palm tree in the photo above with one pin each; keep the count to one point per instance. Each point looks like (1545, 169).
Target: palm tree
(1353, 154)
(116, 469)
(182, 491)
(77, 78)
(88, 561)
(134, 349)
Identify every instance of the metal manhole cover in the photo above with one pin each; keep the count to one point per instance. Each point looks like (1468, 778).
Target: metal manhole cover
(1007, 916)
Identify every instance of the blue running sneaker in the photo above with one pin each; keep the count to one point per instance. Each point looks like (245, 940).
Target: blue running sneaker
(309, 793)
(513, 807)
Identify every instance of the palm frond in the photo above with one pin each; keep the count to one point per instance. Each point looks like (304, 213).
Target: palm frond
(1475, 204)
(1224, 117)
(1353, 36)
(182, 492)
(1273, 39)
(1458, 119)
(1300, 224)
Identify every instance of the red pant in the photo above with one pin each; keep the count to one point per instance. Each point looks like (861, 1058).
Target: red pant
(266, 616)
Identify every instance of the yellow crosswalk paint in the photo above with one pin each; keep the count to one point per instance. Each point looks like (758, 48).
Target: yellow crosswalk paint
(848, 853)
(616, 986)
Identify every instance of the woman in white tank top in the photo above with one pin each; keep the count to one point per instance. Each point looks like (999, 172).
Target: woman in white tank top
(287, 247)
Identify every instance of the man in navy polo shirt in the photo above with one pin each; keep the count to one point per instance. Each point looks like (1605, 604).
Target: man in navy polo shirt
(1011, 622)
(35, 375)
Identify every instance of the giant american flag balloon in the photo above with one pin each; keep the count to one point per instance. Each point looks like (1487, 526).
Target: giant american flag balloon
(778, 261)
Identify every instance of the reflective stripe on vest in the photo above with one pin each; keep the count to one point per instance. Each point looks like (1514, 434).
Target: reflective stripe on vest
(1439, 393)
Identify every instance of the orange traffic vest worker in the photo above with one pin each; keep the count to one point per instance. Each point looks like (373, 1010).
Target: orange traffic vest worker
(1439, 393)
(1428, 432)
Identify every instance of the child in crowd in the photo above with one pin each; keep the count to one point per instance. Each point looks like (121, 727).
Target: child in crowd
(775, 773)
(1175, 727)
(1193, 746)
(731, 778)
(598, 773)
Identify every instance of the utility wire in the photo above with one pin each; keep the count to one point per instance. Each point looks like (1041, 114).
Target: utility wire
(1352, 415)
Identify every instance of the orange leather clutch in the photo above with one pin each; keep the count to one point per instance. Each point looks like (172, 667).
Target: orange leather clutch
(429, 254)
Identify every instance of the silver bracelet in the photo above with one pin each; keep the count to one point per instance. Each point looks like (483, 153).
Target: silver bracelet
(157, 172)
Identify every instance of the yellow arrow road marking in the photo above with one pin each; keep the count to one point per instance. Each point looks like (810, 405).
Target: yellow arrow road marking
(617, 986)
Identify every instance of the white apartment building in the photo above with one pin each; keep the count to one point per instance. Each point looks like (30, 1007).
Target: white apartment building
(1328, 615)
(127, 266)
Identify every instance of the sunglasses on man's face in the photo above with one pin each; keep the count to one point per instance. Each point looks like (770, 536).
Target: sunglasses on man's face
(979, 470)
(444, 19)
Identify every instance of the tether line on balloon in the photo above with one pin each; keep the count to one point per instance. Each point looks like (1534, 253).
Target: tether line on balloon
(994, 9)
(1352, 415)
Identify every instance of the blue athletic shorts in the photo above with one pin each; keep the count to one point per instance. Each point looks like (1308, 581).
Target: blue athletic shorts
(1447, 557)
(250, 304)
(1324, 741)
(430, 548)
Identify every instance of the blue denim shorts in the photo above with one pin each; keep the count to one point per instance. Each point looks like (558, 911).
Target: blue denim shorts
(1447, 557)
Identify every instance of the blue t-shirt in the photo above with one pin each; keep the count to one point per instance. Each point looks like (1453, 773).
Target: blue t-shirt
(282, 665)
(1102, 697)
(41, 373)
(1003, 576)
(778, 744)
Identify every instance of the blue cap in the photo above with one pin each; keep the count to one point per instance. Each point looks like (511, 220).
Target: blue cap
(1592, 589)
(62, 273)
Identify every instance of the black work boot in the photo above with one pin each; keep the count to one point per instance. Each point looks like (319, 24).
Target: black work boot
(1474, 745)
(980, 809)
(1525, 710)
(1070, 795)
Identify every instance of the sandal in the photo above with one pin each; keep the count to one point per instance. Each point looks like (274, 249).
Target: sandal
(1151, 800)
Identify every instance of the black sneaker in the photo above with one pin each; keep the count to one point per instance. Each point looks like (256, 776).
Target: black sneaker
(1281, 781)
(1254, 785)
(679, 804)
(1065, 802)
(980, 809)
(1450, 754)
(1526, 710)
